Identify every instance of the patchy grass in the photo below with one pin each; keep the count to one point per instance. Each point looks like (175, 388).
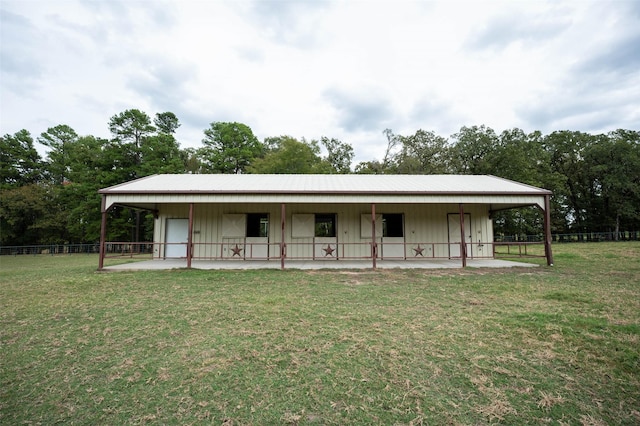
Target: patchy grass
(546, 345)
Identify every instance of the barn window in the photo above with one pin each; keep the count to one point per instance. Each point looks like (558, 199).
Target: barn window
(257, 225)
(325, 225)
(392, 225)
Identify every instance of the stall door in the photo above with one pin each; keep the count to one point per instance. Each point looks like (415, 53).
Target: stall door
(325, 239)
(233, 236)
(245, 236)
(392, 236)
(177, 236)
(454, 234)
(257, 246)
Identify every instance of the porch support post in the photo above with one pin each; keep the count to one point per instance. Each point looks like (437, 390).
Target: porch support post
(374, 244)
(103, 232)
(283, 245)
(137, 239)
(547, 230)
(190, 237)
(463, 244)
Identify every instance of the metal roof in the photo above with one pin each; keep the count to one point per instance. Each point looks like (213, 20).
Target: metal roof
(322, 184)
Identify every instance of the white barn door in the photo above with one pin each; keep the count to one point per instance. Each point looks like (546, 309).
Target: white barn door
(233, 235)
(454, 234)
(393, 236)
(257, 239)
(177, 237)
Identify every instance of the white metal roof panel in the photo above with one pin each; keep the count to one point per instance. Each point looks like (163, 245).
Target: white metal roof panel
(323, 184)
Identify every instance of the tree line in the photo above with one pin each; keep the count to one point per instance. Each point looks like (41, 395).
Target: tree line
(595, 179)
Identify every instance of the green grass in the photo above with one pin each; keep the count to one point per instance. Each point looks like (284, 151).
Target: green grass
(546, 345)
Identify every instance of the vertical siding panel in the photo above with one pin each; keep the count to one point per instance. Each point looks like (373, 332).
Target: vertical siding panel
(205, 230)
(205, 237)
(352, 241)
(442, 250)
(198, 229)
(215, 216)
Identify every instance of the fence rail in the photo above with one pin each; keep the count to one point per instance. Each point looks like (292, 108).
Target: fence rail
(51, 249)
(124, 248)
(572, 238)
(518, 249)
(93, 248)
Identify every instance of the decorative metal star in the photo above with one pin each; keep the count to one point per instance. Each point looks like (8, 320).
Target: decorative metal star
(419, 251)
(236, 251)
(329, 250)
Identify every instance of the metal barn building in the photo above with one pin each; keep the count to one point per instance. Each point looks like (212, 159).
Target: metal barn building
(323, 217)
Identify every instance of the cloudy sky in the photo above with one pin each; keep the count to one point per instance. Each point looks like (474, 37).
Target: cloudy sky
(342, 69)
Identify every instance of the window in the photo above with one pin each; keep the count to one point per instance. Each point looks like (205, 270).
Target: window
(325, 225)
(257, 225)
(392, 225)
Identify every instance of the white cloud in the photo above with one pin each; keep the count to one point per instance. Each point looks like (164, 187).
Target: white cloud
(307, 69)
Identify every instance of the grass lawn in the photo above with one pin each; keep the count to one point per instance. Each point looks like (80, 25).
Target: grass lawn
(542, 345)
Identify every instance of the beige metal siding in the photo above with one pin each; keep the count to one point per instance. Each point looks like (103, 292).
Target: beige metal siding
(424, 225)
(234, 225)
(302, 225)
(366, 227)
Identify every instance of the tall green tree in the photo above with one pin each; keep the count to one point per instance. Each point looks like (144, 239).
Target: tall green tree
(92, 166)
(166, 122)
(473, 150)
(521, 157)
(160, 154)
(27, 215)
(130, 128)
(614, 169)
(574, 192)
(423, 153)
(59, 140)
(288, 155)
(20, 163)
(25, 199)
(192, 161)
(229, 147)
(339, 154)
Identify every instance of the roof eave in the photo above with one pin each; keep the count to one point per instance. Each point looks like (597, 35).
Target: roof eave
(113, 191)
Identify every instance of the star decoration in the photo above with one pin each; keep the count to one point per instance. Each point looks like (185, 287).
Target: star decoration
(329, 250)
(419, 251)
(236, 251)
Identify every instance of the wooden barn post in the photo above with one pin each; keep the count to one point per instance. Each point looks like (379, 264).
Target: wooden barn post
(103, 232)
(190, 237)
(374, 244)
(283, 245)
(547, 231)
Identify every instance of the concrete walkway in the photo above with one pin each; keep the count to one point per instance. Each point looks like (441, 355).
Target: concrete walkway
(165, 264)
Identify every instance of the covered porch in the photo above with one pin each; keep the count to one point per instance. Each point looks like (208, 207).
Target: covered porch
(167, 264)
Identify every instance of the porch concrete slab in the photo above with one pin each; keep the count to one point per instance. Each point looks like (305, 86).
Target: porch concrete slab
(166, 264)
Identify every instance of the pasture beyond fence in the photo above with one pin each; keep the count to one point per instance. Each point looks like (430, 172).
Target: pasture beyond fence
(581, 237)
